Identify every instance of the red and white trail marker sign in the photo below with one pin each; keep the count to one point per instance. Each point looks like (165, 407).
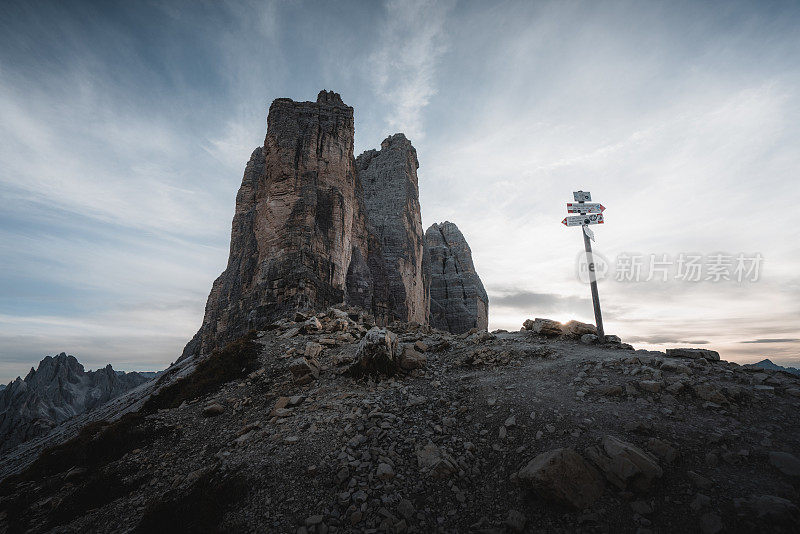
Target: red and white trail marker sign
(590, 213)
(582, 220)
(585, 207)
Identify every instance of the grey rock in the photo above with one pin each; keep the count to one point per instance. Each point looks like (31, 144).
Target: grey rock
(411, 359)
(693, 354)
(434, 461)
(786, 463)
(458, 300)
(578, 329)
(377, 353)
(624, 464)
(771, 508)
(562, 475)
(710, 523)
(213, 409)
(515, 521)
(545, 327)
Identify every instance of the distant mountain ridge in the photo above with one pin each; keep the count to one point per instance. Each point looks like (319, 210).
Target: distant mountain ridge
(57, 390)
(768, 364)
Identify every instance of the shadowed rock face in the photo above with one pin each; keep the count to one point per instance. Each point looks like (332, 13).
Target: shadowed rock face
(458, 300)
(299, 236)
(58, 390)
(391, 197)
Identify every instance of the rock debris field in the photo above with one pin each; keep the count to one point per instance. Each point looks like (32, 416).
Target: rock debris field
(340, 426)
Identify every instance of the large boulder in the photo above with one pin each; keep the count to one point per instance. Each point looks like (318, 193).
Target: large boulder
(377, 353)
(625, 465)
(786, 463)
(410, 359)
(563, 476)
(769, 510)
(576, 329)
(544, 327)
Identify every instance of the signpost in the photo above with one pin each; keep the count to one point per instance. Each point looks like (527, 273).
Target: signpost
(591, 214)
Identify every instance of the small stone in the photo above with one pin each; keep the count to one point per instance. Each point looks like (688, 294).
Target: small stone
(511, 421)
(611, 391)
(405, 508)
(710, 524)
(588, 339)
(313, 350)
(516, 521)
(641, 507)
(343, 475)
(421, 346)
(662, 449)
(313, 520)
(699, 502)
(698, 480)
(652, 386)
(213, 409)
(786, 463)
(385, 472)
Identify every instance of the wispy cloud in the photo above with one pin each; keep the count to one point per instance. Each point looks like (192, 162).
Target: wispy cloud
(773, 340)
(403, 67)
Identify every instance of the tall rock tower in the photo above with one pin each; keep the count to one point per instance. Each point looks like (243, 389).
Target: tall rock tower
(299, 235)
(391, 197)
(457, 298)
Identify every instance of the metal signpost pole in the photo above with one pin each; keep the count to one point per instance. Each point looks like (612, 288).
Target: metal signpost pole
(591, 213)
(598, 317)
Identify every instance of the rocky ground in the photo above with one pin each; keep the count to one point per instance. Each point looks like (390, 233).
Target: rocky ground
(482, 432)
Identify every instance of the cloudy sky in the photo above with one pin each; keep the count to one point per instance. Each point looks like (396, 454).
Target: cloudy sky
(125, 127)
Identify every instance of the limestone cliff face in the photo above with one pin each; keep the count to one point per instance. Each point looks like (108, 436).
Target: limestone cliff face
(458, 300)
(391, 197)
(299, 236)
(315, 227)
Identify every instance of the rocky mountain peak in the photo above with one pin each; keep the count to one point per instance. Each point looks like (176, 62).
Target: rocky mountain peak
(391, 198)
(58, 389)
(315, 227)
(458, 300)
(330, 97)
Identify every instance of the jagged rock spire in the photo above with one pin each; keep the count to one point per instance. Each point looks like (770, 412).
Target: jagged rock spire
(458, 300)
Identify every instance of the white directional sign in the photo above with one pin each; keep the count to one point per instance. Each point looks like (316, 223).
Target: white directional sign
(588, 232)
(582, 196)
(580, 220)
(586, 207)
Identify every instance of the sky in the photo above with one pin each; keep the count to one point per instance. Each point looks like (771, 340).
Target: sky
(125, 128)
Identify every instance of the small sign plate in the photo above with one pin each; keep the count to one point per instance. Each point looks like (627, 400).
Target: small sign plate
(580, 220)
(586, 207)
